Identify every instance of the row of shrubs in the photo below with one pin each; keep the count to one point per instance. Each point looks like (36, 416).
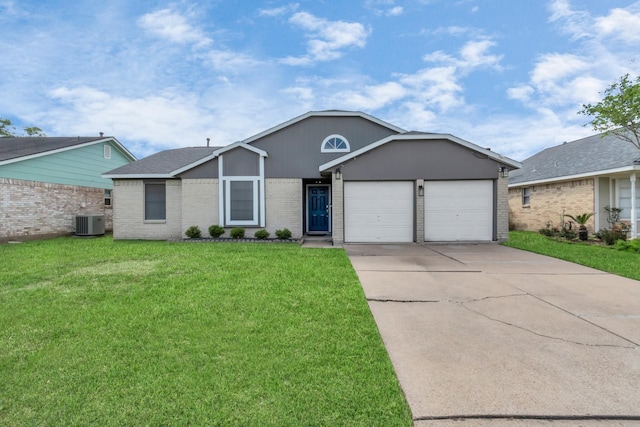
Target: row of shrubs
(216, 231)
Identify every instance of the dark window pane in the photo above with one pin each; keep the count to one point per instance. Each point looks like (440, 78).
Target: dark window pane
(155, 201)
(241, 200)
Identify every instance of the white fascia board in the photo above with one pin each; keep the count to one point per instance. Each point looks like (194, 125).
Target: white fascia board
(122, 148)
(240, 144)
(576, 176)
(138, 176)
(329, 113)
(411, 137)
(71, 147)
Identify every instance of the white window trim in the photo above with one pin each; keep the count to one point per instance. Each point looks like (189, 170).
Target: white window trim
(224, 209)
(144, 207)
(335, 150)
(227, 200)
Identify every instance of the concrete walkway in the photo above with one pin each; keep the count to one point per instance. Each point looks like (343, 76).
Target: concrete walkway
(485, 335)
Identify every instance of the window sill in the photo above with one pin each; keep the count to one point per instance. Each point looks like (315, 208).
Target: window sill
(155, 221)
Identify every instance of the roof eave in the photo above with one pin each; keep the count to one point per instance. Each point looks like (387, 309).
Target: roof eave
(138, 176)
(576, 176)
(71, 147)
(328, 113)
(431, 136)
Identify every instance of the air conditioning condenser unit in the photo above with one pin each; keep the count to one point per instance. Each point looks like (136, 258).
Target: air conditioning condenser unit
(89, 225)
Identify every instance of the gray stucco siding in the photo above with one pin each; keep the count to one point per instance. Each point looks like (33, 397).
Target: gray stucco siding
(420, 159)
(294, 151)
(240, 162)
(208, 170)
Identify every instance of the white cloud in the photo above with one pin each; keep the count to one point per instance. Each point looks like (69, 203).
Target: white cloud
(566, 80)
(621, 25)
(170, 25)
(395, 11)
(474, 54)
(520, 93)
(328, 39)
(371, 97)
(279, 11)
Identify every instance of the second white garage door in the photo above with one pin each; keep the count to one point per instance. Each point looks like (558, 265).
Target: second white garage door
(458, 211)
(378, 211)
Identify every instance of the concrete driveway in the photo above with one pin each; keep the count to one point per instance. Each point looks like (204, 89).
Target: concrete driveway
(485, 335)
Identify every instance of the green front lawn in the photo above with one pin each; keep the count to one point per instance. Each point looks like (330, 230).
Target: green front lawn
(599, 257)
(96, 332)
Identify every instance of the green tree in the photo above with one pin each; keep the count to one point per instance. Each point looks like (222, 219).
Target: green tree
(7, 129)
(618, 113)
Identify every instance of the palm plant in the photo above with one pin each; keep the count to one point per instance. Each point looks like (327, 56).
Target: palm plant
(582, 220)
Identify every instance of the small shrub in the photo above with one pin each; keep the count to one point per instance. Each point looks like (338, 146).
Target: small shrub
(568, 234)
(237, 233)
(549, 232)
(610, 236)
(628, 245)
(261, 234)
(216, 231)
(283, 234)
(193, 232)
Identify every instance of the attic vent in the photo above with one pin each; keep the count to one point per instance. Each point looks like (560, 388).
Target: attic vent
(107, 151)
(89, 225)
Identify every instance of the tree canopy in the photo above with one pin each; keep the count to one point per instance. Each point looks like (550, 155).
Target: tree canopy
(7, 129)
(618, 113)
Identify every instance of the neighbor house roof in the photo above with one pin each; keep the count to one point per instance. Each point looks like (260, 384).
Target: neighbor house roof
(412, 136)
(594, 155)
(22, 148)
(164, 164)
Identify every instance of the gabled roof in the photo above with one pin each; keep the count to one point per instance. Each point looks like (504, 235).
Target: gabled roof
(164, 164)
(326, 113)
(594, 155)
(412, 136)
(23, 148)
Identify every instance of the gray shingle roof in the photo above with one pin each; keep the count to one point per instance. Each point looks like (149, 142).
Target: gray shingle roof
(164, 162)
(588, 155)
(14, 148)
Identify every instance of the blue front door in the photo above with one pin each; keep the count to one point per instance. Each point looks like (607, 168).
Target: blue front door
(318, 208)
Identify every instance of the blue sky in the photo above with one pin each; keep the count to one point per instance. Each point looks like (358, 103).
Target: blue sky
(504, 74)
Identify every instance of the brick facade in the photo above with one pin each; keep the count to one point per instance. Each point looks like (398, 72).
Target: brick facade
(502, 199)
(31, 209)
(200, 204)
(284, 200)
(129, 223)
(337, 209)
(548, 202)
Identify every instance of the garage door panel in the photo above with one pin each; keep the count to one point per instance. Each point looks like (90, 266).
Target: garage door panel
(379, 211)
(458, 210)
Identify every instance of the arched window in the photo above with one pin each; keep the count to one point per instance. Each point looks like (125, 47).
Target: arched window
(335, 144)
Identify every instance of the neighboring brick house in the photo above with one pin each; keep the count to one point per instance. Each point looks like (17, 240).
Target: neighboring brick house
(46, 181)
(342, 174)
(573, 178)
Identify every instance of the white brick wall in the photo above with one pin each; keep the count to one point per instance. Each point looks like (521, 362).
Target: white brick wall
(503, 209)
(337, 210)
(284, 199)
(128, 219)
(200, 204)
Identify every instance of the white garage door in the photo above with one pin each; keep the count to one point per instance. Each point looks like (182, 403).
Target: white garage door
(458, 210)
(378, 211)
